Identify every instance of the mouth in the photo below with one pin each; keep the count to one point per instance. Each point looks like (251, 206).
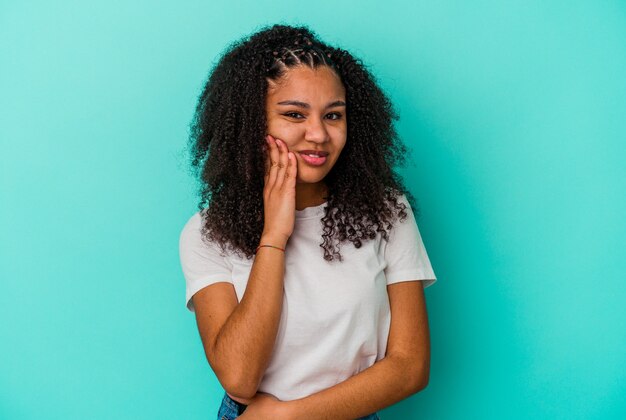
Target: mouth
(313, 158)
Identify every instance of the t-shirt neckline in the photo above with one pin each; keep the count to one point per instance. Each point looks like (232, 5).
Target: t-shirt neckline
(310, 212)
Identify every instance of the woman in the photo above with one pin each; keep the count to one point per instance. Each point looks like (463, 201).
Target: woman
(294, 144)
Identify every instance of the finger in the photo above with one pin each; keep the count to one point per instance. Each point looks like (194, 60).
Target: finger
(266, 162)
(283, 161)
(274, 156)
(292, 171)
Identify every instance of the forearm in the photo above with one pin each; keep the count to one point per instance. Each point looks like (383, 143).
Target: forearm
(381, 385)
(245, 342)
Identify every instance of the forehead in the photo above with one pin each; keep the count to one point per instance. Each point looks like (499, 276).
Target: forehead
(304, 82)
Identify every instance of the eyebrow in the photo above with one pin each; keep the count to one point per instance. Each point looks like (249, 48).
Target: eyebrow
(307, 106)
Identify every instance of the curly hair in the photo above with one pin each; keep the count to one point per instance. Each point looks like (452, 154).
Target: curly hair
(227, 135)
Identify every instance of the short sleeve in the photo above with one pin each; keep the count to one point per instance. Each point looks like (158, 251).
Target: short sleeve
(405, 253)
(202, 263)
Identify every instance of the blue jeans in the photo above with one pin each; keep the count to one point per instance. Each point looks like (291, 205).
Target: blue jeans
(231, 409)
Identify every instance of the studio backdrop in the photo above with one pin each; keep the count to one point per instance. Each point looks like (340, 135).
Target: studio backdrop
(514, 112)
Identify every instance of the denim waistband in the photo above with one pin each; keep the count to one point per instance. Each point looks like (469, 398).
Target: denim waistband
(234, 405)
(237, 407)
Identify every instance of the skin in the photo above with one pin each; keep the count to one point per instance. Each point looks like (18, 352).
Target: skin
(289, 184)
(311, 125)
(403, 371)
(405, 368)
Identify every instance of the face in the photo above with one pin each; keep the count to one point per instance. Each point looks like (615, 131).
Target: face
(307, 110)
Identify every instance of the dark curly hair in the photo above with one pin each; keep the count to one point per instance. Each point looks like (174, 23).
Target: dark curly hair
(227, 135)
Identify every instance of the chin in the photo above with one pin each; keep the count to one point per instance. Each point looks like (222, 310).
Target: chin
(309, 179)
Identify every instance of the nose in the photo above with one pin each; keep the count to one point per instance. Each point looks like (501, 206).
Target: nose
(316, 131)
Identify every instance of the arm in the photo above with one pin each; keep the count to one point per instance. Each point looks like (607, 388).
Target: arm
(239, 338)
(240, 349)
(403, 372)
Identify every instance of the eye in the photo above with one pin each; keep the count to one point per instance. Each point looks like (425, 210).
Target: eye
(294, 115)
(337, 115)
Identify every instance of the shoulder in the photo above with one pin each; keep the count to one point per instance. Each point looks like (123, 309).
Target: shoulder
(403, 199)
(399, 202)
(191, 235)
(192, 226)
(404, 218)
(193, 239)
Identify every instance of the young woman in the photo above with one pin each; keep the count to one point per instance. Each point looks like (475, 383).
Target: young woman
(304, 264)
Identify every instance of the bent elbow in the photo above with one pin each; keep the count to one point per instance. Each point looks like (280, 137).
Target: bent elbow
(421, 376)
(237, 384)
(422, 382)
(240, 393)
(241, 388)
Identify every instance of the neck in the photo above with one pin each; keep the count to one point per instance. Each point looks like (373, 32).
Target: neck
(309, 195)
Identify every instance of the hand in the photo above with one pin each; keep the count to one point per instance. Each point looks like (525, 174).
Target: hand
(279, 191)
(266, 407)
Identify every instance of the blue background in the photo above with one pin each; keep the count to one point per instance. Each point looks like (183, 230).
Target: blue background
(515, 112)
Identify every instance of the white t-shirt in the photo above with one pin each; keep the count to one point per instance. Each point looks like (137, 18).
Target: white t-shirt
(335, 318)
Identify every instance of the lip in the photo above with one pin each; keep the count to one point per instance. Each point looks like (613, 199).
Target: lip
(316, 152)
(313, 161)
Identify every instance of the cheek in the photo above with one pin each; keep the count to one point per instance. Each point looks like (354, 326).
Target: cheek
(341, 141)
(272, 126)
(340, 134)
(283, 130)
